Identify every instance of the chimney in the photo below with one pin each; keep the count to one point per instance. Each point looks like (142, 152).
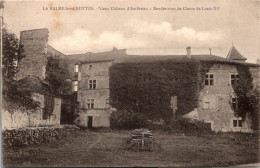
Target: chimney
(188, 52)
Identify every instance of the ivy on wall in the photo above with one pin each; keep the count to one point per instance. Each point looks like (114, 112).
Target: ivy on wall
(147, 87)
(248, 97)
(49, 103)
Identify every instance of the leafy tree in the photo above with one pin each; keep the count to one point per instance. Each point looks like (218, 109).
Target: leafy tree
(13, 94)
(249, 104)
(248, 96)
(12, 54)
(56, 77)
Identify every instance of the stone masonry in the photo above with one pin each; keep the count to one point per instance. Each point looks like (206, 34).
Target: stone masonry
(35, 48)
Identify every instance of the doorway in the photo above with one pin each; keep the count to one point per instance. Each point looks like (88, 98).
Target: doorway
(90, 121)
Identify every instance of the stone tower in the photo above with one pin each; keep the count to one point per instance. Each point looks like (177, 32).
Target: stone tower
(35, 49)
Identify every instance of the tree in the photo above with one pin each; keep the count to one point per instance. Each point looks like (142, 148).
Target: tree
(12, 54)
(248, 104)
(56, 77)
(15, 95)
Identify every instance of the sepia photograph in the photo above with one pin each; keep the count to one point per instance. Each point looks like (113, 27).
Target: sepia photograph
(130, 83)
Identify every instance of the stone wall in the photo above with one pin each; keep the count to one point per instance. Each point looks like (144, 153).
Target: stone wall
(27, 118)
(35, 49)
(98, 71)
(219, 112)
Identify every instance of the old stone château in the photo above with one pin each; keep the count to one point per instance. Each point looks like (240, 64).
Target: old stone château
(90, 80)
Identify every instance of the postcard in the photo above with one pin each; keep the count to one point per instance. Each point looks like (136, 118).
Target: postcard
(112, 83)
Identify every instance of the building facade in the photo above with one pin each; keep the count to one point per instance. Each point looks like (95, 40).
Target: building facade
(31, 75)
(88, 74)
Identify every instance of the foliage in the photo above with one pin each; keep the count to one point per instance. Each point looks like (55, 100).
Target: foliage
(124, 119)
(248, 97)
(56, 76)
(27, 136)
(49, 103)
(189, 126)
(69, 109)
(147, 87)
(12, 53)
(17, 96)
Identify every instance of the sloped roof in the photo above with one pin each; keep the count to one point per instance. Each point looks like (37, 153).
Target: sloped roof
(69, 61)
(179, 58)
(234, 54)
(95, 57)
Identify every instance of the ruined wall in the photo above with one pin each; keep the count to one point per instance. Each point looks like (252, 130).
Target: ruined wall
(220, 113)
(98, 71)
(35, 49)
(28, 118)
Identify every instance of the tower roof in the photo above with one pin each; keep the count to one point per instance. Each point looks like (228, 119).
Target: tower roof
(234, 54)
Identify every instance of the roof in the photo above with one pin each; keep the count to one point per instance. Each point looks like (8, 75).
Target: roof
(234, 54)
(178, 58)
(69, 61)
(35, 85)
(96, 57)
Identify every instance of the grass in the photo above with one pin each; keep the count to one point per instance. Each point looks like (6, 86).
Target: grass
(105, 148)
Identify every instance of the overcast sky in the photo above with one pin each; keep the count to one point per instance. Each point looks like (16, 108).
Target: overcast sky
(143, 32)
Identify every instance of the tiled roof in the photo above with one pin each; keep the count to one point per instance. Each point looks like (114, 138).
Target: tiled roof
(234, 54)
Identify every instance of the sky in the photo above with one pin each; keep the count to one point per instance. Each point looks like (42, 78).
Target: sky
(143, 32)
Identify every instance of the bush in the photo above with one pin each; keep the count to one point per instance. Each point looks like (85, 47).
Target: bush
(25, 136)
(190, 126)
(127, 120)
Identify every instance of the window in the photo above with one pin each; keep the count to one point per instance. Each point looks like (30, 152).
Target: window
(206, 105)
(76, 68)
(90, 103)
(90, 66)
(209, 80)
(237, 123)
(235, 103)
(75, 85)
(234, 79)
(92, 84)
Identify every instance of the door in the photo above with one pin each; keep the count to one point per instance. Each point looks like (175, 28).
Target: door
(90, 121)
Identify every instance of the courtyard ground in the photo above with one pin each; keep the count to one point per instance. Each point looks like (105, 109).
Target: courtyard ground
(106, 148)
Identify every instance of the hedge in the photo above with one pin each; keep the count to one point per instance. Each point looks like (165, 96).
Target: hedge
(26, 136)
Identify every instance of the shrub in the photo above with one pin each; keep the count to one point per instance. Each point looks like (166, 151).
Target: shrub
(25, 136)
(127, 120)
(190, 126)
